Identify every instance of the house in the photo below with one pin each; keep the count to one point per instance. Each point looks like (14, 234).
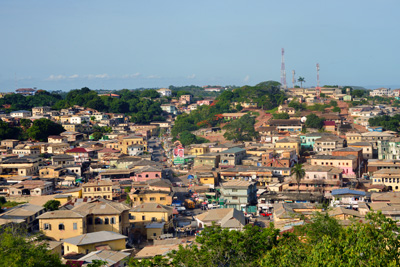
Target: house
(21, 114)
(135, 150)
(25, 91)
(199, 149)
(232, 116)
(165, 92)
(239, 194)
(227, 218)
(24, 166)
(289, 142)
(210, 159)
(186, 99)
(103, 215)
(287, 215)
(367, 150)
(125, 142)
(375, 165)
(36, 111)
(57, 139)
(112, 258)
(286, 109)
(232, 157)
(326, 144)
(168, 108)
(389, 149)
(9, 143)
(145, 218)
(308, 140)
(57, 148)
(99, 189)
(62, 224)
(62, 160)
(346, 197)
(31, 188)
(147, 173)
(348, 164)
(329, 126)
(388, 177)
(353, 137)
(285, 125)
(141, 196)
(26, 150)
(343, 214)
(80, 154)
(90, 242)
(24, 215)
(207, 178)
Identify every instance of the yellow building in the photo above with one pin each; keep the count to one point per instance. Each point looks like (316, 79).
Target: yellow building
(62, 224)
(206, 178)
(199, 150)
(90, 242)
(289, 142)
(151, 196)
(51, 172)
(132, 140)
(147, 218)
(100, 189)
(353, 138)
(105, 215)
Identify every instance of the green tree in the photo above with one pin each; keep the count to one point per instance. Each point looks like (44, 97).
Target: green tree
(97, 136)
(336, 109)
(299, 173)
(17, 249)
(333, 103)
(98, 263)
(313, 121)
(358, 93)
(42, 128)
(9, 132)
(283, 116)
(25, 123)
(301, 80)
(241, 129)
(52, 205)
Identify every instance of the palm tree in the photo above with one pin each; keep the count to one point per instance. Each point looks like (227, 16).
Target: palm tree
(301, 80)
(299, 172)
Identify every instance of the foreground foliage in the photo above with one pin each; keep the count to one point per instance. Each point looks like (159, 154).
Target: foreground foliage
(322, 242)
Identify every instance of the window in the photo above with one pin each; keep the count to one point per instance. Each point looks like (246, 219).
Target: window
(90, 220)
(234, 197)
(75, 226)
(61, 227)
(131, 217)
(162, 198)
(112, 220)
(98, 221)
(47, 226)
(106, 221)
(143, 218)
(234, 190)
(152, 199)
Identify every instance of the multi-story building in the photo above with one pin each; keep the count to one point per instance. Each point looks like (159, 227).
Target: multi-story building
(24, 215)
(100, 189)
(326, 144)
(367, 150)
(125, 142)
(232, 157)
(171, 109)
(387, 177)
(239, 194)
(348, 164)
(289, 142)
(165, 92)
(286, 125)
(40, 110)
(389, 149)
(308, 140)
(21, 114)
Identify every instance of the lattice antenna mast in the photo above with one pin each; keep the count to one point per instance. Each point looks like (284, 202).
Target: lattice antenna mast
(293, 78)
(283, 71)
(318, 89)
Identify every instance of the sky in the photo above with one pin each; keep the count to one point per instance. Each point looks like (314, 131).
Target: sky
(63, 45)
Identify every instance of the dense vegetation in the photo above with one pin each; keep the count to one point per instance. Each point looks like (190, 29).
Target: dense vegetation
(267, 95)
(322, 242)
(391, 123)
(38, 130)
(241, 129)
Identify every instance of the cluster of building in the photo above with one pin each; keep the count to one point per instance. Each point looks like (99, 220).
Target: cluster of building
(135, 193)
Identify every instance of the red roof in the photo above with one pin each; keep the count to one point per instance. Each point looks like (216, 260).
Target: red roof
(329, 123)
(77, 150)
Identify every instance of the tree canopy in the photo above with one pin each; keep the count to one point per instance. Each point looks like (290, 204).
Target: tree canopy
(241, 129)
(52, 205)
(313, 121)
(41, 129)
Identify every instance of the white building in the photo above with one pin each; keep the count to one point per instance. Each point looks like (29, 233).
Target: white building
(165, 92)
(21, 114)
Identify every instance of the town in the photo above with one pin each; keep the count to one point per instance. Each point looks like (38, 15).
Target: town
(101, 185)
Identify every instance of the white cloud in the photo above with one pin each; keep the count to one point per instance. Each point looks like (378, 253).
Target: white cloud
(153, 77)
(191, 76)
(247, 78)
(74, 76)
(55, 77)
(127, 76)
(97, 76)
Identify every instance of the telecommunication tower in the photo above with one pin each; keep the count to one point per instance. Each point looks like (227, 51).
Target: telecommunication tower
(318, 89)
(293, 79)
(283, 71)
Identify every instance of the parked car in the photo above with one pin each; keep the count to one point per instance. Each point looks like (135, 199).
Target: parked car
(266, 214)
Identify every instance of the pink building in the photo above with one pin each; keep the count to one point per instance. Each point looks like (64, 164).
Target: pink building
(206, 102)
(147, 173)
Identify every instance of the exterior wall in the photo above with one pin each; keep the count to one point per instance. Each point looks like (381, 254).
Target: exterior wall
(94, 192)
(289, 145)
(160, 198)
(132, 141)
(114, 245)
(117, 222)
(144, 176)
(347, 165)
(69, 231)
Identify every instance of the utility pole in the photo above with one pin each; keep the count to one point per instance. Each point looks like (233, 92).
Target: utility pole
(283, 71)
